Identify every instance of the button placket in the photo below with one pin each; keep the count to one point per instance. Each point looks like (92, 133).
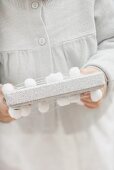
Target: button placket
(41, 38)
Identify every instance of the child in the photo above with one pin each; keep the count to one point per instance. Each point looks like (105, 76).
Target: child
(40, 37)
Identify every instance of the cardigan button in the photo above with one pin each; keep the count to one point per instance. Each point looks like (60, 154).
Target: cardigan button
(35, 5)
(42, 41)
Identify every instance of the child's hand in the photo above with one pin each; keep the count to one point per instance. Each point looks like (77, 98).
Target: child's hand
(4, 115)
(86, 97)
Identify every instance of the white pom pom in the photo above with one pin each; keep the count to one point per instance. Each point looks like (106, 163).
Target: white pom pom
(30, 83)
(26, 110)
(43, 107)
(74, 72)
(76, 99)
(8, 88)
(15, 113)
(63, 101)
(96, 95)
(59, 77)
(54, 77)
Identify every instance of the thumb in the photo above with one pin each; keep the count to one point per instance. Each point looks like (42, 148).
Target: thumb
(89, 70)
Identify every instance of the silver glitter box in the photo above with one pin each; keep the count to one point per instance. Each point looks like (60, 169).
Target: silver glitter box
(53, 91)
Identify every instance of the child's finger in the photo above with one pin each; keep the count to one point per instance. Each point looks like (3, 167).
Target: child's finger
(85, 97)
(85, 94)
(3, 106)
(5, 119)
(89, 101)
(92, 105)
(82, 97)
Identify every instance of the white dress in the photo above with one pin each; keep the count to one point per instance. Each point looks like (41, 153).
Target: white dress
(39, 38)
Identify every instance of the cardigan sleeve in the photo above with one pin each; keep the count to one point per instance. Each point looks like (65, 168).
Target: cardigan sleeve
(104, 22)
